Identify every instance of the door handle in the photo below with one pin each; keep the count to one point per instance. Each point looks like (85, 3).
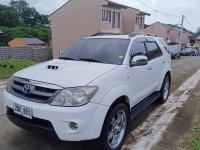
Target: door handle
(150, 68)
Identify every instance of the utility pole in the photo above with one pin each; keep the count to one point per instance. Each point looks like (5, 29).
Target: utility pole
(181, 33)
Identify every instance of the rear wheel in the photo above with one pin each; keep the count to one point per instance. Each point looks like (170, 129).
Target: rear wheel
(115, 128)
(165, 89)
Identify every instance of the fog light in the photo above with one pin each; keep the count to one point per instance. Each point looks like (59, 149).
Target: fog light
(73, 125)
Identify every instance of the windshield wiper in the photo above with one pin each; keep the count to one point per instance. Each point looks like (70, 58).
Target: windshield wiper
(90, 60)
(67, 58)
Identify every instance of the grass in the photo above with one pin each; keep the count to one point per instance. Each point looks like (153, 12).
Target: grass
(192, 142)
(9, 67)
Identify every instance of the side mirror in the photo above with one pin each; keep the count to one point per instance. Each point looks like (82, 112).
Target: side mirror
(139, 60)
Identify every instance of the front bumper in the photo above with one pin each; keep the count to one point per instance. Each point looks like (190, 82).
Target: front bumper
(33, 125)
(89, 118)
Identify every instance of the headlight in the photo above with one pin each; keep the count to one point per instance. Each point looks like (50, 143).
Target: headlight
(9, 84)
(72, 97)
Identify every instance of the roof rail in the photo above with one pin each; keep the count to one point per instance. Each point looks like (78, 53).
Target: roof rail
(133, 34)
(106, 33)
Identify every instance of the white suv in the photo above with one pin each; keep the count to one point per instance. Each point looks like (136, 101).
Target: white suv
(93, 90)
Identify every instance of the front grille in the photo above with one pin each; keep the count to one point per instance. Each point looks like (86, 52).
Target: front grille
(40, 93)
(34, 121)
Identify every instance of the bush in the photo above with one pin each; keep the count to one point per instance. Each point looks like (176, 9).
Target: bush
(40, 32)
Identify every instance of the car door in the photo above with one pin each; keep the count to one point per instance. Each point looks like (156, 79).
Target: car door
(140, 81)
(156, 63)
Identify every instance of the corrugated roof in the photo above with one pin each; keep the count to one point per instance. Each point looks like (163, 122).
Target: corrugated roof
(144, 13)
(31, 41)
(198, 38)
(109, 2)
(125, 7)
(116, 4)
(168, 26)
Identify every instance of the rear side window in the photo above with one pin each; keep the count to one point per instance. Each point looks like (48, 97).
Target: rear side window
(164, 44)
(153, 50)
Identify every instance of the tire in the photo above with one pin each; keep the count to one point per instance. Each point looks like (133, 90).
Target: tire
(114, 113)
(165, 90)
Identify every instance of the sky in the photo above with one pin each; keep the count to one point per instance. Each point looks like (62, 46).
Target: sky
(189, 8)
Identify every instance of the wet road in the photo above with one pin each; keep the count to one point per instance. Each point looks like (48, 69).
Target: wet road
(14, 138)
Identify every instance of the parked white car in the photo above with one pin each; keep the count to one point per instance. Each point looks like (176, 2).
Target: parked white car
(93, 90)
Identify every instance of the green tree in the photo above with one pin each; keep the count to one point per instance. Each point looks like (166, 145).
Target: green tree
(19, 5)
(44, 19)
(9, 18)
(198, 32)
(29, 15)
(9, 34)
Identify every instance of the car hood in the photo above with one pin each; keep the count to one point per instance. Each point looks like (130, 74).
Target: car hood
(66, 73)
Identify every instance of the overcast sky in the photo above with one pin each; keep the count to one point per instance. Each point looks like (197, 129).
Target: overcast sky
(189, 8)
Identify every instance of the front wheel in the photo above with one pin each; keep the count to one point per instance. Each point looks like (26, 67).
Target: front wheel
(115, 128)
(165, 89)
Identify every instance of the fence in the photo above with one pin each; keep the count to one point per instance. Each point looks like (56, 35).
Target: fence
(27, 53)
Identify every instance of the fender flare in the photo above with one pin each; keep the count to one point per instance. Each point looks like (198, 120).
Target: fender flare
(166, 70)
(115, 93)
(106, 103)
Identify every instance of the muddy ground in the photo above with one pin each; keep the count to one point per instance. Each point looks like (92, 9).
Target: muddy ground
(14, 138)
(182, 124)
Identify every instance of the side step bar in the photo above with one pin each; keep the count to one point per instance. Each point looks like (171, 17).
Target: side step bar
(144, 104)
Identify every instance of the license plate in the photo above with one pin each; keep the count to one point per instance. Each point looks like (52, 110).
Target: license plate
(23, 111)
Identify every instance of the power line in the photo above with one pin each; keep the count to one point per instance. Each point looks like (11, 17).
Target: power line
(147, 5)
(190, 24)
(178, 23)
(168, 14)
(157, 10)
(154, 17)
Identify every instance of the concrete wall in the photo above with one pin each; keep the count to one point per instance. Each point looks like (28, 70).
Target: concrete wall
(107, 26)
(186, 38)
(174, 36)
(158, 29)
(27, 53)
(129, 20)
(167, 34)
(78, 19)
(73, 21)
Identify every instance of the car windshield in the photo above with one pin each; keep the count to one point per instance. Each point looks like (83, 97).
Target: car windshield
(109, 51)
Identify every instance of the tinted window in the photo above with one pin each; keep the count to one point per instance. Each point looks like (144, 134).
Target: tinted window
(110, 51)
(74, 51)
(153, 50)
(139, 48)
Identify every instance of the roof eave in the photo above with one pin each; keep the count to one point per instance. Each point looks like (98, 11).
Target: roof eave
(116, 4)
(145, 13)
(58, 9)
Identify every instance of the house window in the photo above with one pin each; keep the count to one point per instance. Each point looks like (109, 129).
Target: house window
(137, 20)
(116, 20)
(106, 15)
(140, 22)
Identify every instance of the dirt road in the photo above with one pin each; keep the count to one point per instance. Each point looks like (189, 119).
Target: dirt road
(14, 138)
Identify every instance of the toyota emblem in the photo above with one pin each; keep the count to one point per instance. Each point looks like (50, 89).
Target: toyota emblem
(28, 88)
